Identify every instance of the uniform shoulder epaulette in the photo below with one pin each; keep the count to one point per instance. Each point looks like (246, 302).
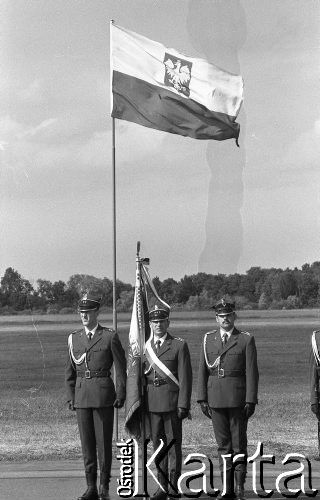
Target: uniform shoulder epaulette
(111, 330)
(212, 331)
(76, 331)
(204, 340)
(246, 333)
(178, 338)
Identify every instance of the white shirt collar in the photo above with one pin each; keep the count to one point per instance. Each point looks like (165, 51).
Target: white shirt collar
(162, 339)
(93, 330)
(222, 332)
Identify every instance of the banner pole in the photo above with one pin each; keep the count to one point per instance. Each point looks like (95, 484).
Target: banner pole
(142, 378)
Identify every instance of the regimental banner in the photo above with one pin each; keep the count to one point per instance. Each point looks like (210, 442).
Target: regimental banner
(139, 333)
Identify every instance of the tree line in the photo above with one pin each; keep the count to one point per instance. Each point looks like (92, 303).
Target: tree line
(258, 288)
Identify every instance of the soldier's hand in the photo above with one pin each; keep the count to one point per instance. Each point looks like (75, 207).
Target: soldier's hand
(315, 410)
(182, 413)
(118, 403)
(205, 408)
(249, 409)
(71, 406)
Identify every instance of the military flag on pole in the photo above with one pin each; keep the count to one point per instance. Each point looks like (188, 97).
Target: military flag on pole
(162, 89)
(145, 294)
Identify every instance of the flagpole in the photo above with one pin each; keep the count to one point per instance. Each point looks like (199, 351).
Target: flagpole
(114, 230)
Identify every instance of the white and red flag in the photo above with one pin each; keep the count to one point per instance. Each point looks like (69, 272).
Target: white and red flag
(162, 89)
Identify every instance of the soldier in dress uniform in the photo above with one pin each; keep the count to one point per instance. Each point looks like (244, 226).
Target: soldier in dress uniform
(315, 377)
(91, 392)
(168, 375)
(227, 391)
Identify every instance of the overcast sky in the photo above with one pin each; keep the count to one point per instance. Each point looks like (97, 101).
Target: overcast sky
(194, 205)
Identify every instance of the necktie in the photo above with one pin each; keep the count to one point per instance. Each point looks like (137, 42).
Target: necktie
(157, 346)
(224, 339)
(89, 336)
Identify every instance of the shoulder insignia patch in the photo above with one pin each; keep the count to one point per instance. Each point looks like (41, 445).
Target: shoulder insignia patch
(178, 338)
(246, 333)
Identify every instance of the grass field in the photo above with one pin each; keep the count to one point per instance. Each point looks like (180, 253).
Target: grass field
(35, 423)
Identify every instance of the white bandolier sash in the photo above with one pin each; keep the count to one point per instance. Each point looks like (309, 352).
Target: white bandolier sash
(83, 357)
(216, 361)
(155, 363)
(315, 348)
(152, 358)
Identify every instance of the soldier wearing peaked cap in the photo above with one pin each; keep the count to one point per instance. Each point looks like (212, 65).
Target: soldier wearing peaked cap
(91, 392)
(168, 392)
(227, 391)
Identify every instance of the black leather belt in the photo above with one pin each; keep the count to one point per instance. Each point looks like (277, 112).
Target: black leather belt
(93, 373)
(157, 381)
(227, 373)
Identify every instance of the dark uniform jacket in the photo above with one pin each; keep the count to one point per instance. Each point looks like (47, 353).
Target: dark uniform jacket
(174, 354)
(314, 371)
(103, 350)
(239, 385)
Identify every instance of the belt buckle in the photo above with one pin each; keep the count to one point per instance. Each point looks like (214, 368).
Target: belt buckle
(220, 372)
(87, 374)
(156, 382)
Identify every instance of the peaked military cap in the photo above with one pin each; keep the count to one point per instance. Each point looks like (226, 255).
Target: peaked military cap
(158, 314)
(89, 302)
(223, 307)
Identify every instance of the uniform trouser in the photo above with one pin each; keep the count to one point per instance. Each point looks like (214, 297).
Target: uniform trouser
(230, 429)
(167, 426)
(96, 428)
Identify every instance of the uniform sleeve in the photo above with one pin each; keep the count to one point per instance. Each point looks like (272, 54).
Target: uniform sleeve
(119, 360)
(70, 378)
(185, 376)
(252, 372)
(203, 375)
(314, 379)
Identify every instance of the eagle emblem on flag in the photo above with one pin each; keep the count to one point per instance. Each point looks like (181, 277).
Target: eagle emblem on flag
(177, 73)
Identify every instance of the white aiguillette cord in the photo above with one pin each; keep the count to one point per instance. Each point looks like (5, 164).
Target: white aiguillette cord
(315, 348)
(216, 362)
(83, 357)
